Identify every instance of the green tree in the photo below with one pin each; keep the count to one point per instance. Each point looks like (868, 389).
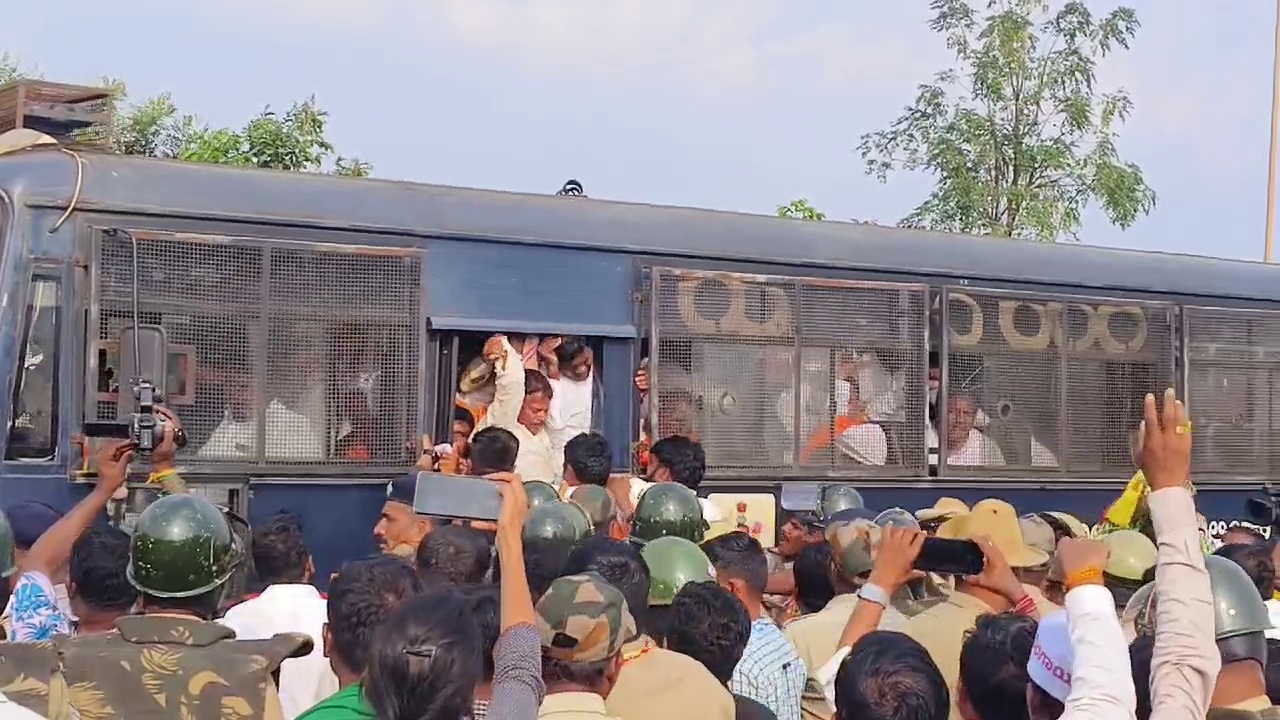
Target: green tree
(1019, 139)
(800, 209)
(292, 140)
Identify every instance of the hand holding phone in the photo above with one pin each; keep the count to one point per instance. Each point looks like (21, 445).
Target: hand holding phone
(950, 557)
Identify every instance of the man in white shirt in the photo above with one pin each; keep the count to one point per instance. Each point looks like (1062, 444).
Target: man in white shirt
(290, 435)
(290, 603)
(570, 365)
(521, 403)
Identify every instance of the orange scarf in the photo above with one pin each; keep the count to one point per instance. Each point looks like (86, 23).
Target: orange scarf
(826, 436)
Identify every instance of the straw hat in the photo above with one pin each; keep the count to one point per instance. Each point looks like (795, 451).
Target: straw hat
(945, 507)
(476, 375)
(997, 520)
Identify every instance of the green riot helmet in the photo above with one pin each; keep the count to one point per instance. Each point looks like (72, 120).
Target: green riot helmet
(552, 522)
(669, 509)
(1238, 608)
(1130, 555)
(673, 561)
(580, 519)
(7, 565)
(834, 498)
(182, 546)
(1139, 616)
(598, 503)
(539, 492)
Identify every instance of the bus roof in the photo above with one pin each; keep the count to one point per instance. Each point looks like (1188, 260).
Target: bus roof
(114, 183)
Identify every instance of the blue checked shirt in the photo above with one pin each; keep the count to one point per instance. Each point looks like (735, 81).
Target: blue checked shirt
(770, 671)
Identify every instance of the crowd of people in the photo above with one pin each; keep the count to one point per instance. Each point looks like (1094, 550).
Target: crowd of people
(594, 595)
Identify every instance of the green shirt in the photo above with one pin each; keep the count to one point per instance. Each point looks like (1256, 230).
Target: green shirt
(346, 704)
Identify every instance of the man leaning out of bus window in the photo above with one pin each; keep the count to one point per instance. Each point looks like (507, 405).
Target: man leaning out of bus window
(521, 401)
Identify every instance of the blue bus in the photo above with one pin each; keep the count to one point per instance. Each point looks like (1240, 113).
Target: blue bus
(317, 326)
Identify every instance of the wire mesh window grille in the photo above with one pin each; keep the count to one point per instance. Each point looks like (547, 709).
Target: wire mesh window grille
(1233, 390)
(789, 376)
(280, 353)
(1044, 384)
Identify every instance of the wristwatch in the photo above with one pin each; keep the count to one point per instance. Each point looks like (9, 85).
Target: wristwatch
(875, 594)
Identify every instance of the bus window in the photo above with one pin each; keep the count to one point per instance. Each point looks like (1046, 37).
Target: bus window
(1041, 384)
(33, 416)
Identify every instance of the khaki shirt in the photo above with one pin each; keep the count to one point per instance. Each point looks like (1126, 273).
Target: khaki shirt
(816, 638)
(941, 630)
(657, 684)
(574, 706)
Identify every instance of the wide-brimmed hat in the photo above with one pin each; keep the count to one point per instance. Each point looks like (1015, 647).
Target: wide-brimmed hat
(478, 373)
(997, 520)
(945, 507)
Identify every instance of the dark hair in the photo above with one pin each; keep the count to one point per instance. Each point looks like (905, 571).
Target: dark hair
(360, 598)
(813, 579)
(580, 674)
(738, 555)
(570, 347)
(535, 383)
(1257, 563)
(993, 665)
(544, 561)
(484, 606)
(99, 558)
(453, 555)
(425, 661)
(683, 457)
(710, 625)
(279, 551)
(889, 676)
(492, 450)
(463, 415)
(1255, 537)
(1140, 654)
(621, 565)
(587, 454)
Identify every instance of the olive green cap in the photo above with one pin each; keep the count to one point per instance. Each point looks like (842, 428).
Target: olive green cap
(1238, 609)
(580, 519)
(540, 492)
(1131, 555)
(673, 562)
(7, 564)
(598, 503)
(668, 509)
(182, 546)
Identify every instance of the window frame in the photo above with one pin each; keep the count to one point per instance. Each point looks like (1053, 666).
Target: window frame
(48, 453)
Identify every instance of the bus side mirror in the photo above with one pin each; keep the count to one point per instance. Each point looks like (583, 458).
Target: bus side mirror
(151, 363)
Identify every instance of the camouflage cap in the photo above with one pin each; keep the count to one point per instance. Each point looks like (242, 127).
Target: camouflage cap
(582, 618)
(852, 547)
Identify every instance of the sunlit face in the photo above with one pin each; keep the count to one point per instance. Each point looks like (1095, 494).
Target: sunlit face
(961, 412)
(533, 413)
(794, 538)
(580, 367)
(461, 432)
(398, 530)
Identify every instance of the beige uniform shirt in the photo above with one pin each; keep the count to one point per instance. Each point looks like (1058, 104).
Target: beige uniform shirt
(657, 684)
(574, 706)
(1044, 606)
(816, 638)
(941, 630)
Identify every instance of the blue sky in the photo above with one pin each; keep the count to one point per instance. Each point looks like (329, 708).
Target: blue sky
(730, 104)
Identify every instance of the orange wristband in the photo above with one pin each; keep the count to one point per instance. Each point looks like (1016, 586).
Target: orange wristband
(1088, 576)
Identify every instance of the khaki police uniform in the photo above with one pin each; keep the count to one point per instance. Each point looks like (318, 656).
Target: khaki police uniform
(816, 638)
(29, 678)
(941, 630)
(169, 666)
(574, 706)
(1259, 708)
(657, 684)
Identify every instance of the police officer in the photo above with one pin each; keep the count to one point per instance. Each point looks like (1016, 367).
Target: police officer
(163, 661)
(1131, 555)
(1240, 622)
(673, 562)
(669, 509)
(835, 498)
(555, 522)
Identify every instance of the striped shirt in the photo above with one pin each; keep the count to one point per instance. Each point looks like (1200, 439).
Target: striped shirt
(770, 671)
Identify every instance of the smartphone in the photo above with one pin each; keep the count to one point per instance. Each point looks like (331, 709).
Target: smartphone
(950, 557)
(457, 497)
